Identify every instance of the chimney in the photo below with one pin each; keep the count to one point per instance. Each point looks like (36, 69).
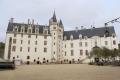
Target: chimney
(11, 20)
(76, 29)
(82, 27)
(33, 21)
(28, 21)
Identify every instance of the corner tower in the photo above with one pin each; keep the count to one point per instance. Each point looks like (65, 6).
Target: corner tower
(56, 30)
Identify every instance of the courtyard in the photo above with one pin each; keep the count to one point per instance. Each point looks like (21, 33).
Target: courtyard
(61, 72)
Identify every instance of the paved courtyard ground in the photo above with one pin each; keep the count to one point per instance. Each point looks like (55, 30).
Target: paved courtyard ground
(61, 72)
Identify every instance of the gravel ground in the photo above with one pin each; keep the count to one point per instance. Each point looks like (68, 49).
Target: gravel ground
(61, 72)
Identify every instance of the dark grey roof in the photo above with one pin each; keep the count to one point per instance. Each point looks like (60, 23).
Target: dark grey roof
(19, 25)
(90, 32)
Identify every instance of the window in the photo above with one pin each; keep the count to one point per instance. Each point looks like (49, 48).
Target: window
(80, 44)
(45, 42)
(28, 57)
(22, 35)
(28, 41)
(45, 37)
(14, 48)
(15, 35)
(65, 45)
(95, 43)
(20, 49)
(21, 41)
(45, 49)
(45, 31)
(14, 41)
(29, 36)
(28, 49)
(35, 42)
(54, 27)
(35, 49)
(81, 52)
(114, 42)
(54, 43)
(22, 30)
(54, 52)
(71, 45)
(54, 33)
(54, 37)
(72, 53)
(86, 52)
(65, 53)
(86, 44)
(36, 36)
(29, 30)
(106, 43)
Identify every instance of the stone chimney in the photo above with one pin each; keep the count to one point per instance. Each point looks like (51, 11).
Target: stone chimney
(33, 21)
(28, 21)
(82, 27)
(76, 29)
(11, 20)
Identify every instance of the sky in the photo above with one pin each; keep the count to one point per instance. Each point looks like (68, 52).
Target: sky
(74, 13)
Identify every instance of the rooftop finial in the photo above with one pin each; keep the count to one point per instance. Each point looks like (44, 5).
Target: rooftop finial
(54, 17)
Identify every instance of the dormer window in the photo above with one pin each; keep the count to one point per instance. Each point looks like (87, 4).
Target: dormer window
(36, 30)
(45, 32)
(71, 37)
(80, 36)
(29, 31)
(15, 29)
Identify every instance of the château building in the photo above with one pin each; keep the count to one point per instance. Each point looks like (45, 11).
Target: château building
(30, 42)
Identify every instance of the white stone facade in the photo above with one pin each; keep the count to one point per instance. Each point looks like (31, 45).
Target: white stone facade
(51, 43)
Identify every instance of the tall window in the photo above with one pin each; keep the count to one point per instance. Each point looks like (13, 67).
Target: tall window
(29, 30)
(28, 41)
(14, 41)
(36, 36)
(45, 37)
(65, 53)
(72, 53)
(21, 41)
(81, 52)
(80, 44)
(106, 43)
(45, 49)
(22, 35)
(86, 52)
(65, 45)
(20, 49)
(14, 48)
(29, 36)
(35, 49)
(28, 49)
(28, 57)
(71, 45)
(15, 35)
(35, 42)
(45, 42)
(86, 44)
(114, 42)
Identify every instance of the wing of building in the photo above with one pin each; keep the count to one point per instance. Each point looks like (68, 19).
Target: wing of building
(33, 43)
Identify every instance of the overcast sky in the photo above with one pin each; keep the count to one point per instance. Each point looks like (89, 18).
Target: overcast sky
(72, 12)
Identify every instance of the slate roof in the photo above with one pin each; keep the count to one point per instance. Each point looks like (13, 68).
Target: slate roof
(20, 25)
(89, 32)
